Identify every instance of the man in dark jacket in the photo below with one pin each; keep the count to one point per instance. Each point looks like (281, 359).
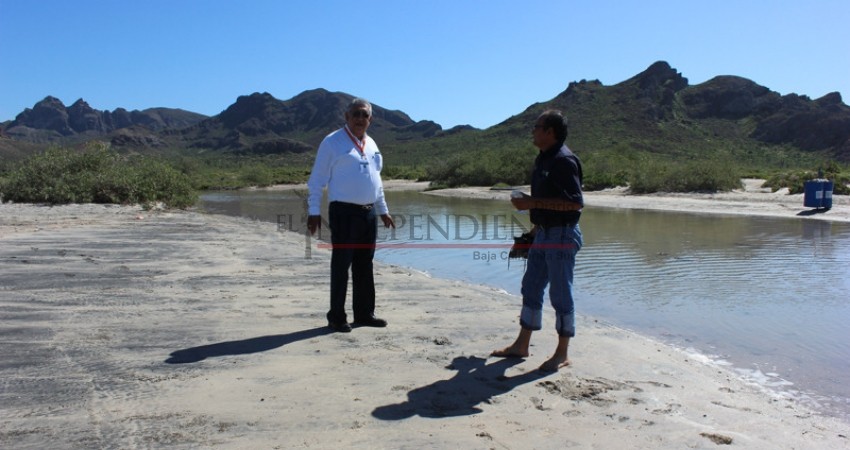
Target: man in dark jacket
(555, 208)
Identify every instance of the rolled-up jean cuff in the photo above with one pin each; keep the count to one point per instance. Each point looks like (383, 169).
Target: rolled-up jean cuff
(531, 319)
(565, 324)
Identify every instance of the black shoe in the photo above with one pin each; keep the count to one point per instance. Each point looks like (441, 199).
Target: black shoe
(370, 322)
(340, 327)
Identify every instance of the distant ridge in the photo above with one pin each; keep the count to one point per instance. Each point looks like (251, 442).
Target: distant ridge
(260, 123)
(656, 111)
(51, 121)
(659, 112)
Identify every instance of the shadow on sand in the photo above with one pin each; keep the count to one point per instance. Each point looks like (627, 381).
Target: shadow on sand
(475, 382)
(243, 347)
(812, 212)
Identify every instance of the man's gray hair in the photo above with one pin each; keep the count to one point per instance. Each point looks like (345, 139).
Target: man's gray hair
(358, 102)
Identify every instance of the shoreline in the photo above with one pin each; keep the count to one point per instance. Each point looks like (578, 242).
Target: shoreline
(123, 328)
(751, 200)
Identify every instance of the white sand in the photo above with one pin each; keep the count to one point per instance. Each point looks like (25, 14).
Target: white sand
(128, 329)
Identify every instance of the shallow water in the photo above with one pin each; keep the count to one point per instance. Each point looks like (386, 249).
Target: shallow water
(769, 297)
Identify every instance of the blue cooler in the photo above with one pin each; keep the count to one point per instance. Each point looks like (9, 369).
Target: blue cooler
(827, 194)
(813, 196)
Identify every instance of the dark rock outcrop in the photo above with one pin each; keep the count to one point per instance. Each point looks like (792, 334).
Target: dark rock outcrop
(809, 125)
(657, 87)
(260, 123)
(822, 124)
(729, 97)
(51, 121)
(137, 137)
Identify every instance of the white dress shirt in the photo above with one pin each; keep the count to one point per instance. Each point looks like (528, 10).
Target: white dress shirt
(350, 176)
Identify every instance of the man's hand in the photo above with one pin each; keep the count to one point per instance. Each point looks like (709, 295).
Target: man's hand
(388, 221)
(314, 223)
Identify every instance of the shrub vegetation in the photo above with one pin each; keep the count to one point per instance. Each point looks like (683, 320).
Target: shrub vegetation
(96, 175)
(503, 166)
(691, 176)
(795, 180)
(640, 170)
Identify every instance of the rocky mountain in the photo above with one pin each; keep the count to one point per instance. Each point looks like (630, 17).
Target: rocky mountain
(810, 125)
(256, 124)
(658, 111)
(261, 124)
(50, 121)
(655, 111)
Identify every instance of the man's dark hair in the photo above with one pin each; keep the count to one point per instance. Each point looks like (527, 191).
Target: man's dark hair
(553, 119)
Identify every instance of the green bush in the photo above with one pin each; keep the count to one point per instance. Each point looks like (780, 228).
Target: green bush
(96, 175)
(695, 176)
(792, 180)
(507, 166)
(642, 173)
(604, 170)
(231, 172)
(396, 172)
(795, 180)
(256, 175)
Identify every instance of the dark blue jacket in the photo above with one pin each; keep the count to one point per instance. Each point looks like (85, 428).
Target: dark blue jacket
(557, 174)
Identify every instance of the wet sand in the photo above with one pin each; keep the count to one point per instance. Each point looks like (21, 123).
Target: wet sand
(123, 328)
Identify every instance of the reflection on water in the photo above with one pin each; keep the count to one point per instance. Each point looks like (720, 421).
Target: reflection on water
(768, 296)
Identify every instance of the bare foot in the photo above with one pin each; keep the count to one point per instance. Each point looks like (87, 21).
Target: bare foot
(554, 363)
(510, 352)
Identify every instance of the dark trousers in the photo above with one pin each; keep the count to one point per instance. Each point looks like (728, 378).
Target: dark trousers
(354, 231)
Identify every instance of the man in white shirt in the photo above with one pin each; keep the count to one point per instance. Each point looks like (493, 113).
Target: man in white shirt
(349, 164)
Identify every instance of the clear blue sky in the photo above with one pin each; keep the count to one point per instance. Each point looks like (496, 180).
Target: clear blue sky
(451, 61)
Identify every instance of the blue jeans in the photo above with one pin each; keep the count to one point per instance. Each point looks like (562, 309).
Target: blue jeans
(551, 260)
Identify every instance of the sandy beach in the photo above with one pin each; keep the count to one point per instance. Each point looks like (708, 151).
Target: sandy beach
(125, 328)
(752, 200)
